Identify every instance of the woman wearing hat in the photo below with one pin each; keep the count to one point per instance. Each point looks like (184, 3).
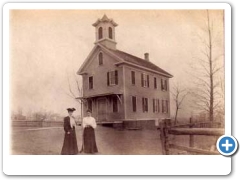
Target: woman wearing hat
(70, 141)
(89, 141)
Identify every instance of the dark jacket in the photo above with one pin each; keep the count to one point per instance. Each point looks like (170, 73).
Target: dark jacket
(70, 139)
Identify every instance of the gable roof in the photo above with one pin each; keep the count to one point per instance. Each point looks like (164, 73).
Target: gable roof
(124, 57)
(139, 61)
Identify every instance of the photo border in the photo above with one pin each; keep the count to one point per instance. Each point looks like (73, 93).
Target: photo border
(116, 164)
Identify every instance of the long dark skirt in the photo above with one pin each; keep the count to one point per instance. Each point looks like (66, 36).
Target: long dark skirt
(89, 142)
(70, 143)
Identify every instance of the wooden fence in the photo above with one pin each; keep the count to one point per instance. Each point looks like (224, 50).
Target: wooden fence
(191, 129)
(25, 123)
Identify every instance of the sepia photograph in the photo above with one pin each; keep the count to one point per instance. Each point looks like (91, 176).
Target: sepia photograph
(116, 82)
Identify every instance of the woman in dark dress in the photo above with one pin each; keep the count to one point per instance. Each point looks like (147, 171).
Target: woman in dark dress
(89, 141)
(70, 141)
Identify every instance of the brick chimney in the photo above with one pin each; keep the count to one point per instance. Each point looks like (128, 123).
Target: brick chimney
(146, 56)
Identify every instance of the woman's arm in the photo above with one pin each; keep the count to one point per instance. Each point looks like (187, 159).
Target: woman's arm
(83, 123)
(66, 125)
(93, 123)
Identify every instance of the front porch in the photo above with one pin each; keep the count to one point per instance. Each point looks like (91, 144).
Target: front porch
(106, 108)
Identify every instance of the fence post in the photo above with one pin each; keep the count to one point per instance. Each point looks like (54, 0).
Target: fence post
(162, 137)
(191, 139)
(167, 124)
(164, 126)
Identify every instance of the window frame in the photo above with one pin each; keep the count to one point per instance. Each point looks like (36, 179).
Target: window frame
(110, 35)
(145, 104)
(155, 84)
(100, 59)
(100, 33)
(156, 105)
(113, 72)
(164, 84)
(133, 78)
(134, 109)
(145, 80)
(90, 84)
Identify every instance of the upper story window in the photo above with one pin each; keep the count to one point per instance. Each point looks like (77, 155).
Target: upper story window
(155, 83)
(100, 58)
(100, 33)
(133, 77)
(90, 82)
(110, 34)
(145, 80)
(112, 78)
(164, 85)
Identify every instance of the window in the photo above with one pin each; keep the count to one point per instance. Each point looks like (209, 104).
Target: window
(156, 106)
(155, 83)
(112, 78)
(134, 103)
(165, 106)
(100, 33)
(89, 104)
(90, 82)
(133, 77)
(145, 80)
(164, 85)
(100, 58)
(115, 104)
(145, 104)
(110, 35)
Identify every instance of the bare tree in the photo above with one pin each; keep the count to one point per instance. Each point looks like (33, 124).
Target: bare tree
(207, 66)
(179, 95)
(75, 92)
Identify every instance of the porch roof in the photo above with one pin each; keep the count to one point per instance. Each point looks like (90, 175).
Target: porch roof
(98, 95)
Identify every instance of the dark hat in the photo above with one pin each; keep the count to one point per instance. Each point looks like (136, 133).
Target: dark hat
(89, 110)
(71, 109)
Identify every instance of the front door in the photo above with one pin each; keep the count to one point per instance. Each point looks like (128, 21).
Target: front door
(102, 110)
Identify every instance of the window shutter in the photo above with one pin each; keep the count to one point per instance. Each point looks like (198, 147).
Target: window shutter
(166, 106)
(161, 84)
(133, 77)
(142, 79)
(143, 105)
(158, 105)
(134, 103)
(153, 105)
(155, 82)
(146, 104)
(147, 80)
(108, 78)
(162, 106)
(116, 77)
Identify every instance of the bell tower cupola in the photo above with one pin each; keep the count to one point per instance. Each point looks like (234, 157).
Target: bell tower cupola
(105, 32)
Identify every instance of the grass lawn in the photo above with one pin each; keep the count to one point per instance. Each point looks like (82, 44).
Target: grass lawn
(33, 141)
(49, 141)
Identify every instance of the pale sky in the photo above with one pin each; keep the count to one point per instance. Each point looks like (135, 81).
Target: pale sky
(48, 45)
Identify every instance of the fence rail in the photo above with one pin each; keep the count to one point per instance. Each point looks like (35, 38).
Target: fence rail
(25, 123)
(191, 129)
